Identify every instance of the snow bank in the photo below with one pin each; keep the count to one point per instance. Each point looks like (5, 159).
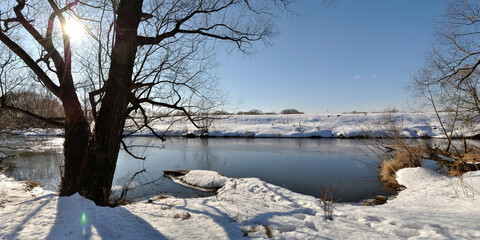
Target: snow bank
(431, 207)
(410, 125)
(38, 132)
(204, 179)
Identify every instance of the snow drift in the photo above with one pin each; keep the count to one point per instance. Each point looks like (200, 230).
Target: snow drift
(431, 207)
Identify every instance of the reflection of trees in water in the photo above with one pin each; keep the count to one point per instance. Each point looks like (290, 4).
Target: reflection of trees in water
(138, 185)
(206, 158)
(142, 181)
(21, 144)
(43, 167)
(144, 184)
(300, 144)
(265, 158)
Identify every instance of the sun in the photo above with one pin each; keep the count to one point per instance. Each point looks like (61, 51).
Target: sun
(74, 29)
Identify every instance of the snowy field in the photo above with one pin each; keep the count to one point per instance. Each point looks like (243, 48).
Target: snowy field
(431, 207)
(410, 125)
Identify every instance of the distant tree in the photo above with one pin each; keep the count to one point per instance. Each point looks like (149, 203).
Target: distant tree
(179, 113)
(221, 112)
(270, 113)
(251, 112)
(139, 55)
(391, 110)
(25, 108)
(290, 111)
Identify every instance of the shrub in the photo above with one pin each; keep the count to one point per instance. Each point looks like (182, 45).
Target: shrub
(404, 157)
(221, 112)
(251, 112)
(290, 111)
(270, 113)
(327, 200)
(355, 112)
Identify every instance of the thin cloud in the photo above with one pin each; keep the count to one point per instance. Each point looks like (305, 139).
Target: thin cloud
(356, 77)
(374, 76)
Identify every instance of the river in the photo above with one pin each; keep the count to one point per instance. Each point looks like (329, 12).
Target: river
(298, 164)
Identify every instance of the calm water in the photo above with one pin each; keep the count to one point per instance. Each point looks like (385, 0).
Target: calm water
(300, 165)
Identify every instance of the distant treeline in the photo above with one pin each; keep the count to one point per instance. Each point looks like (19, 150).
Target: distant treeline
(41, 104)
(251, 112)
(258, 112)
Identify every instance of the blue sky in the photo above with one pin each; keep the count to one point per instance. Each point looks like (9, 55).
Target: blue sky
(358, 56)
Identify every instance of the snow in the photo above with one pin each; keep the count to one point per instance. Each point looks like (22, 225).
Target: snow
(204, 179)
(38, 132)
(410, 125)
(431, 207)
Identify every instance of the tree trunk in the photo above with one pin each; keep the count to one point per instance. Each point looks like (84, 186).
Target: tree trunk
(76, 140)
(101, 157)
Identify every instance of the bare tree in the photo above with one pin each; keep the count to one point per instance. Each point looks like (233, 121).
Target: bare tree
(140, 55)
(449, 81)
(450, 78)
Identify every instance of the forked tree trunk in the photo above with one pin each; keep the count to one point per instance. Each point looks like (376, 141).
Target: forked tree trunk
(95, 173)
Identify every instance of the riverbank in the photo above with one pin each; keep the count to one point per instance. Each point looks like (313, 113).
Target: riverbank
(431, 207)
(408, 125)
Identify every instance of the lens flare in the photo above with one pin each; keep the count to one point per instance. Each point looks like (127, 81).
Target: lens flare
(84, 221)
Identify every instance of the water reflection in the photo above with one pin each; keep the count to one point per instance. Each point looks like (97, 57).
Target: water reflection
(297, 164)
(35, 166)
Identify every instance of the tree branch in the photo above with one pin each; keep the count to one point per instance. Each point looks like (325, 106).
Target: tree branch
(125, 147)
(50, 121)
(44, 78)
(145, 100)
(46, 43)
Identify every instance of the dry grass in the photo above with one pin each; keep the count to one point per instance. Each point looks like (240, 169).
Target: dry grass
(119, 202)
(473, 157)
(159, 197)
(394, 152)
(3, 195)
(183, 216)
(404, 157)
(29, 185)
(327, 199)
(268, 231)
(116, 200)
(249, 229)
(463, 163)
(463, 188)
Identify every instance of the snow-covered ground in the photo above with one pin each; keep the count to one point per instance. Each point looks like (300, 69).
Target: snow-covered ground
(204, 179)
(431, 207)
(410, 125)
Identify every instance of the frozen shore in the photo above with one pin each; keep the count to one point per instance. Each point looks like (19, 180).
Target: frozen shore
(409, 125)
(431, 207)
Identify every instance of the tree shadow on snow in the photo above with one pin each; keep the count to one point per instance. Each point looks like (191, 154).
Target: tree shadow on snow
(234, 226)
(80, 218)
(32, 214)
